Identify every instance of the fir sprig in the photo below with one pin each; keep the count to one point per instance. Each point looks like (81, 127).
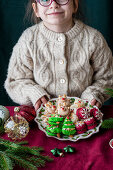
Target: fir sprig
(27, 157)
(109, 91)
(108, 123)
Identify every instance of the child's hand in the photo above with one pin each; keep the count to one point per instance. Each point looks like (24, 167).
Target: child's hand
(39, 102)
(95, 102)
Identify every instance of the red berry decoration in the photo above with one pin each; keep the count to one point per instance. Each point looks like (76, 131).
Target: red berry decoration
(28, 112)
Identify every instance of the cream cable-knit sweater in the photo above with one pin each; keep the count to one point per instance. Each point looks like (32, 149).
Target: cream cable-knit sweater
(77, 63)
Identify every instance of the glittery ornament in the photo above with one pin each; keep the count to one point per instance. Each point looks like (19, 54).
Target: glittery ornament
(57, 152)
(69, 149)
(16, 127)
(111, 143)
(4, 114)
(27, 112)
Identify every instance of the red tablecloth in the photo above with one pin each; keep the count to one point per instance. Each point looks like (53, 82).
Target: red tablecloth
(93, 153)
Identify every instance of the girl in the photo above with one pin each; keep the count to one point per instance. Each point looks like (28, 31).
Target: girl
(59, 55)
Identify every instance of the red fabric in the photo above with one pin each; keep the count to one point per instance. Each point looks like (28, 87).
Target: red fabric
(93, 153)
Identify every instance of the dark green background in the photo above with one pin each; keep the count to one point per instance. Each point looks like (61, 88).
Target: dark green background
(97, 13)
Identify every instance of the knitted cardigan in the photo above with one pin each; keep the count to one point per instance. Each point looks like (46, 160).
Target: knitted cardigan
(76, 63)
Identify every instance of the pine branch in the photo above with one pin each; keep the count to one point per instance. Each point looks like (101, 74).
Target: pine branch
(22, 162)
(5, 162)
(37, 161)
(22, 143)
(24, 156)
(38, 148)
(109, 91)
(108, 123)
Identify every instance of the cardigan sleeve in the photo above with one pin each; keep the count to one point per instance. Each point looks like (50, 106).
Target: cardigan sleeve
(102, 64)
(20, 84)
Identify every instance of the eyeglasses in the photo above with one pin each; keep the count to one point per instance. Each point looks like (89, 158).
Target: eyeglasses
(46, 3)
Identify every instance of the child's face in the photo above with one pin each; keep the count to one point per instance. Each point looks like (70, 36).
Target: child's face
(56, 14)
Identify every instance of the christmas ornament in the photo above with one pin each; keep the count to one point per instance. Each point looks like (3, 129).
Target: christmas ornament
(111, 143)
(69, 149)
(28, 112)
(12, 154)
(16, 127)
(4, 114)
(57, 152)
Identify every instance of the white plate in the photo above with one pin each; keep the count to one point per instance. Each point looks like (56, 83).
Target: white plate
(42, 125)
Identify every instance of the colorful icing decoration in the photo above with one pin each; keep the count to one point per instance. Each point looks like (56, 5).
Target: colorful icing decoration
(96, 113)
(80, 127)
(83, 113)
(68, 127)
(54, 127)
(50, 108)
(63, 110)
(77, 104)
(91, 123)
(63, 100)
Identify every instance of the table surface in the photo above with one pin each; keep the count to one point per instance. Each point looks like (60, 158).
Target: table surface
(93, 153)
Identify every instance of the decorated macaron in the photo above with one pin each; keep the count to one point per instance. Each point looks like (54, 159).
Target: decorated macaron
(83, 113)
(80, 127)
(68, 127)
(90, 123)
(96, 113)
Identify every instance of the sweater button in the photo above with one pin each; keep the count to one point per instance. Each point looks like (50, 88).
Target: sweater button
(61, 62)
(62, 81)
(60, 39)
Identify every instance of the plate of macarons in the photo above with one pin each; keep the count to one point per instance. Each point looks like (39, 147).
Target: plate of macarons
(69, 118)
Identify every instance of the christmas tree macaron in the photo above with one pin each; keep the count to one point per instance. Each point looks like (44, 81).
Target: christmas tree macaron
(68, 127)
(54, 127)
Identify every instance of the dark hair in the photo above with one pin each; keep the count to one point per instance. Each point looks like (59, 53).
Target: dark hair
(31, 18)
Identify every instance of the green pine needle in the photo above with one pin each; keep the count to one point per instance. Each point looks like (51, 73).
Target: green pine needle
(22, 162)
(108, 123)
(109, 91)
(22, 143)
(14, 153)
(5, 161)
